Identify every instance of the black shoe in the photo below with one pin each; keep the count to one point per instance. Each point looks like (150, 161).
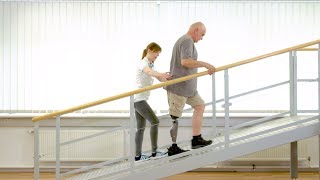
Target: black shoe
(198, 142)
(175, 149)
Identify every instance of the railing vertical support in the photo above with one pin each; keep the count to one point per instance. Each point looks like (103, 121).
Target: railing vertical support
(125, 142)
(319, 79)
(58, 147)
(36, 151)
(293, 83)
(214, 109)
(293, 112)
(294, 160)
(132, 132)
(226, 107)
(319, 97)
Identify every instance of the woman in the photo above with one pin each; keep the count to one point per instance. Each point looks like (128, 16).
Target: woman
(144, 77)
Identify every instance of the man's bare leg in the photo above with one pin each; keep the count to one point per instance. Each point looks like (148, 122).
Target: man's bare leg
(197, 141)
(197, 119)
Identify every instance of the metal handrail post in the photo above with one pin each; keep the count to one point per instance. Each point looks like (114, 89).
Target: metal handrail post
(58, 147)
(319, 97)
(36, 151)
(293, 112)
(214, 108)
(226, 107)
(293, 83)
(319, 79)
(132, 133)
(125, 143)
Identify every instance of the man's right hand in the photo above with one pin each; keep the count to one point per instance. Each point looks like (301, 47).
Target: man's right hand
(211, 69)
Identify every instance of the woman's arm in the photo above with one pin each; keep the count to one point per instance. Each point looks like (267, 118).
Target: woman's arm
(160, 76)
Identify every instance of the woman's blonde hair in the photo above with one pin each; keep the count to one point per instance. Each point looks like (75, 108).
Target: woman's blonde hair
(154, 47)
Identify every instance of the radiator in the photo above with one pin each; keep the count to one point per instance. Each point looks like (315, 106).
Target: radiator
(277, 153)
(99, 148)
(280, 153)
(276, 157)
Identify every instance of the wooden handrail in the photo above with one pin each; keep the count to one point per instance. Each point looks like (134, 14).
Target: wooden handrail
(308, 49)
(174, 81)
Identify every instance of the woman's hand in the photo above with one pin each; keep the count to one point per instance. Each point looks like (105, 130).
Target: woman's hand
(165, 77)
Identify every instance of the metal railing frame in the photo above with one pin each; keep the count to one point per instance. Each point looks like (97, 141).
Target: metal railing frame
(227, 129)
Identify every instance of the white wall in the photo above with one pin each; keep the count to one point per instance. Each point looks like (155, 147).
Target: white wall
(58, 54)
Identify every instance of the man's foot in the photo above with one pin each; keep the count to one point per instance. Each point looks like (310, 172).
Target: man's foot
(174, 149)
(198, 142)
(142, 157)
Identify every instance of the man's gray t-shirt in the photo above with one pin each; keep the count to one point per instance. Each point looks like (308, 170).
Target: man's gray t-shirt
(184, 48)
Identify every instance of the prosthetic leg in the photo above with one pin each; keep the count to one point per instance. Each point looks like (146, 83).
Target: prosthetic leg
(174, 129)
(174, 149)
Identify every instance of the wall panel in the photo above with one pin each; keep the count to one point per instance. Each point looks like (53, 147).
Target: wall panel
(77, 50)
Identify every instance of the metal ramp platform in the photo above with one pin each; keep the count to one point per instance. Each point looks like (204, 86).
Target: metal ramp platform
(238, 142)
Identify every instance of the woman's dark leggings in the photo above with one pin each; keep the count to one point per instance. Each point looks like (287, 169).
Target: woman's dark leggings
(142, 112)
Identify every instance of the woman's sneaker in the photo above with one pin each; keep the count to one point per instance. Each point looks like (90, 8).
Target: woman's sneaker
(141, 158)
(158, 154)
(175, 149)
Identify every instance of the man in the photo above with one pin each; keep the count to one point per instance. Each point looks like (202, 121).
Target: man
(183, 63)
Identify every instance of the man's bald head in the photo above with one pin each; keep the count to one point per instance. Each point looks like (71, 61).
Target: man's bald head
(197, 25)
(196, 31)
